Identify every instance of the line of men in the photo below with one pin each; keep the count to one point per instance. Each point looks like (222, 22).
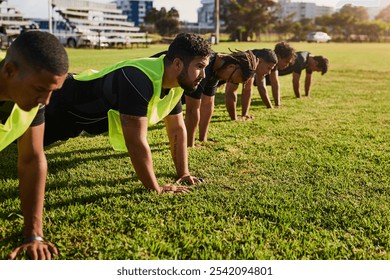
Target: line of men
(122, 99)
(284, 60)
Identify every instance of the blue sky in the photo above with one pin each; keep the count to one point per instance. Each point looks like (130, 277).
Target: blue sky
(187, 8)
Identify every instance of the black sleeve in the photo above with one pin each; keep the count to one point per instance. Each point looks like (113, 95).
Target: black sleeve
(7, 107)
(177, 110)
(300, 62)
(135, 90)
(40, 117)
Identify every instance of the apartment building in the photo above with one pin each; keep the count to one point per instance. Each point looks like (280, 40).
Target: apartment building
(303, 10)
(135, 9)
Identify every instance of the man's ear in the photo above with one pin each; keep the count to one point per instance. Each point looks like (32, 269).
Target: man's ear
(178, 64)
(10, 69)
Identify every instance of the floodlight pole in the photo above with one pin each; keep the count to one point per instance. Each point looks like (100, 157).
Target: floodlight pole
(216, 21)
(50, 3)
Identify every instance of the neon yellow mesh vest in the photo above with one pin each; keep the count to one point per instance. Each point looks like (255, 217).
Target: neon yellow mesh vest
(158, 108)
(17, 123)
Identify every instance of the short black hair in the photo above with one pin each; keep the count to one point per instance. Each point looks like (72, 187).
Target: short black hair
(284, 50)
(267, 55)
(322, 63)
(187, 46)
(41, 51)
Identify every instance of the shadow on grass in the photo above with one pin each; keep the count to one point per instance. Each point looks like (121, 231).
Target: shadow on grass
(91, 197)
(14, 236)
(112, 188)
(9, 163)
(69, 159)
(58, 162)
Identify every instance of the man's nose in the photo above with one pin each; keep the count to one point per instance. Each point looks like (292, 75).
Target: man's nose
(203, 73)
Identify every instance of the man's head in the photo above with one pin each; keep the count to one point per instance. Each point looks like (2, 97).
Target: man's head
(322, 64)
(189, 53)
(240, 66)
(285, 53)
(35, 65)
(267, 61)
(187, 46)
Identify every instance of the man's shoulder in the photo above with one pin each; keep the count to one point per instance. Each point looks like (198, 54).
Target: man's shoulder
(300, 61)
(302, 57)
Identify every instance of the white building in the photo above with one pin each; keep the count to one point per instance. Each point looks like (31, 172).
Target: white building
(102, 20)
(303, 10)
(12, 20)
(206, 13)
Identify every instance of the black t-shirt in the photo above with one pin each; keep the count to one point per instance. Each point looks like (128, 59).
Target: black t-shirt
(6, 109)
(301, 62)
(126, 89)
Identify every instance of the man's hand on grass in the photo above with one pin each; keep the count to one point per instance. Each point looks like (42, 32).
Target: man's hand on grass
(35, 250)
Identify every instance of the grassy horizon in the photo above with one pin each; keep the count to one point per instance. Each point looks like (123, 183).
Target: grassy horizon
(309, 180)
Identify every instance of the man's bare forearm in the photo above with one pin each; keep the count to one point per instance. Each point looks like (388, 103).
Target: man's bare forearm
(135, 131)
(178, 138)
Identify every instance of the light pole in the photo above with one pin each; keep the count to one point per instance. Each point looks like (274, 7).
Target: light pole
(50, 3)
(216, 21)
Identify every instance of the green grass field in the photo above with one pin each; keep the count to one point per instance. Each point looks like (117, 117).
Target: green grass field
(307, 181)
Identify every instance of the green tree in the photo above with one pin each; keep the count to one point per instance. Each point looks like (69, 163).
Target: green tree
(165, 22)
(301, 28)
(244, 18)
(358, 13)
(324, 21)
(284, 26)
(341, 24)
(373, 29)
(152, 16)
